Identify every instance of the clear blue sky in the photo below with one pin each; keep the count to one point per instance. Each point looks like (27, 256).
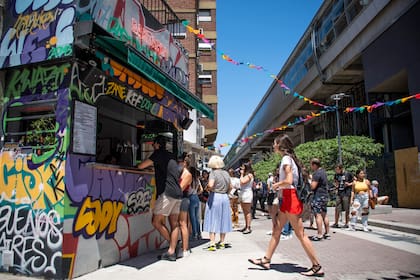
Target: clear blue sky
(262, 33)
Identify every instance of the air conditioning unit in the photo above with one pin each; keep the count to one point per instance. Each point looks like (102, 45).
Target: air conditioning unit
(204, 46)
(204, 79)
(200, 68)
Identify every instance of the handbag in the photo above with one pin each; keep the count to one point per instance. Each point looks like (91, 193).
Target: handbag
(372, 202)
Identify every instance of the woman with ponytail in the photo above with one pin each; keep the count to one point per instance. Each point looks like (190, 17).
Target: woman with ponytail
(290, 209)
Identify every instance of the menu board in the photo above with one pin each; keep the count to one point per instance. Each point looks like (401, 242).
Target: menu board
(84, 128)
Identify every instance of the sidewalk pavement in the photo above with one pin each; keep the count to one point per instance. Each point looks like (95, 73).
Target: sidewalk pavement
(289, 259)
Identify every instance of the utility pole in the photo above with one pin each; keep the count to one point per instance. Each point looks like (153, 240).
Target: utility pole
(337, 97)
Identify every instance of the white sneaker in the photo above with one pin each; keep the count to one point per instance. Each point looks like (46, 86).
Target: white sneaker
(286, 237)
(187, 253)
(351, 228)
(365, 229)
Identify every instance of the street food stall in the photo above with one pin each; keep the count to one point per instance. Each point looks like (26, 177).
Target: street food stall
(85, 87)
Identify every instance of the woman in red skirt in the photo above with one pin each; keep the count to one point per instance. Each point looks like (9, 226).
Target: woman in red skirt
(291, 208)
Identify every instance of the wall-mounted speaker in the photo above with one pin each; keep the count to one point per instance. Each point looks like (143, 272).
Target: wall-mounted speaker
(186, 123)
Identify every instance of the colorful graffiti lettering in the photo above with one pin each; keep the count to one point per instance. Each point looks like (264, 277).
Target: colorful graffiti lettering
(36, 26)
(43, 188)
(146, 37)
(97, 217)
(139, 202)
(34, 238)
(116, 90)
(42, 79)
(156, 45)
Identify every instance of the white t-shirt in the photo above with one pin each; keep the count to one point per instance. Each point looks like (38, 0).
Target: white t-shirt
(287, 160)
(235, 182)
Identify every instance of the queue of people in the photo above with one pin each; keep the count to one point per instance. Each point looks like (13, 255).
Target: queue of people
(180, 190)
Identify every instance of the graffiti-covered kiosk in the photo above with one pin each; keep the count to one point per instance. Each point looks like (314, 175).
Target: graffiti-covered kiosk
(85, 86)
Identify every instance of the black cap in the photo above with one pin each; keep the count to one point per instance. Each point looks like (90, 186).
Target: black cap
(161, 140)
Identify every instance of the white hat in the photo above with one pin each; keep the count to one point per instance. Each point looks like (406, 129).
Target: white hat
(374, 182)
(270, 174)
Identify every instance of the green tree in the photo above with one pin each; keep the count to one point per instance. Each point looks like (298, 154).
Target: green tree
(357, 153)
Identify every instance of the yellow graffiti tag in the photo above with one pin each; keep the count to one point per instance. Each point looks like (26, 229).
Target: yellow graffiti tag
(116, 89)
(26, 24)
(42, 187)
(97, 217)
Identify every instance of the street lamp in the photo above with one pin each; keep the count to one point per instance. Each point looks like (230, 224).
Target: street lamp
(337, 97)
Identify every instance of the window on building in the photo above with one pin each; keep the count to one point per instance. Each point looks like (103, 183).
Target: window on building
(177, 29)
(32, 125)
(204, 15)
(205, 77)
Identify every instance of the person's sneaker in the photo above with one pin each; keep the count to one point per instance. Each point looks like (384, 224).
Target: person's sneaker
(286, 237)
(186, 254)
(167, 257)
(220, 245)
(351, 228)
(346, 226)
(327, 236)
(335, 226)
(211, 248)
(365, 229)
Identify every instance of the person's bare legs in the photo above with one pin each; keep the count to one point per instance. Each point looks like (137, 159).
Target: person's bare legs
(246, 208)
(158, 222)
(222, 237)
(319, 221)
(297, 226)
(183, 224)
(173, 221)
(326, 222)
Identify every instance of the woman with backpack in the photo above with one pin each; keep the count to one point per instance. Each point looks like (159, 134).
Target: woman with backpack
(291, 208)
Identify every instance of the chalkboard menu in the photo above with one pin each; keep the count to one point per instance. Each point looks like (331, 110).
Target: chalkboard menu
(84, 128)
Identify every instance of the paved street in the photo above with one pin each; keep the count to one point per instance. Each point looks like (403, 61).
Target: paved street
(380, 254)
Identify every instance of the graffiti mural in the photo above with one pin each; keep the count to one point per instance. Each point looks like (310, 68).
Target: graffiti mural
(127, 21)
(38, 30)
(111, 208)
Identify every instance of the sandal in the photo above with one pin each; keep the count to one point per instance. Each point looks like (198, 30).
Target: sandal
(264, 262)
(315, 270)
(315, 238)
(247, 231)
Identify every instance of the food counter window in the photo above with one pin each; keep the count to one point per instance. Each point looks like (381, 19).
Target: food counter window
(125, 134)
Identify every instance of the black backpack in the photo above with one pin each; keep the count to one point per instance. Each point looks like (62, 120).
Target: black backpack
(303, 188)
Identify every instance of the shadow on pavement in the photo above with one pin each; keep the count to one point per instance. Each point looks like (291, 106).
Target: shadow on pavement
(283, 267)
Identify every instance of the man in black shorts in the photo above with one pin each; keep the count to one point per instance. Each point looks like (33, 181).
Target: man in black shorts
(343, 182)
(168, 194)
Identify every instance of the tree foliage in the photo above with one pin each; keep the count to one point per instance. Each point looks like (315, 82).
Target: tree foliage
(357, 153)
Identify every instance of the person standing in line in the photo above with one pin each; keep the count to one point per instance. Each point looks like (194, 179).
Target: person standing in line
(256, 196)
(270, 196)
(343, 182)
(217, 218)
(291, 208)
(319, 187)
(204, 180)
(168, 193)
(380, 200)
(185, 182)
(233, 195)
(359, 200)
(194, 209)
(246, 194)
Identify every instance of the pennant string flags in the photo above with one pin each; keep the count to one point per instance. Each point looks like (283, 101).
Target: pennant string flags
(251, 66)
(287, 91)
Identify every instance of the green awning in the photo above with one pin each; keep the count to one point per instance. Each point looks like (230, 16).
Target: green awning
(134, 58)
